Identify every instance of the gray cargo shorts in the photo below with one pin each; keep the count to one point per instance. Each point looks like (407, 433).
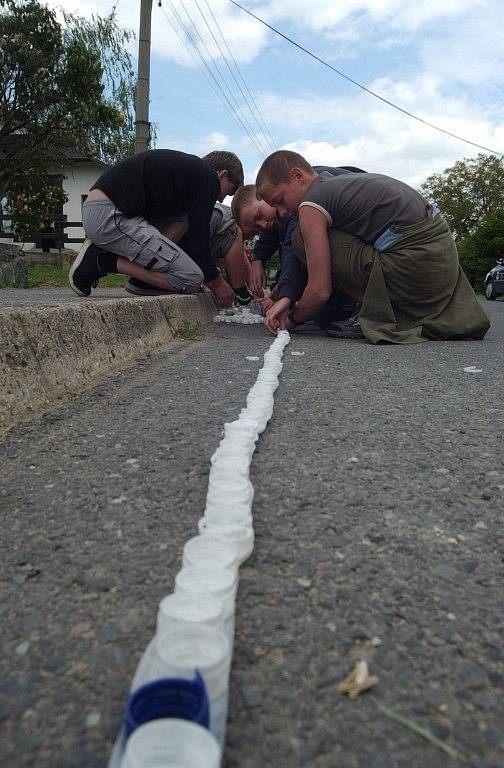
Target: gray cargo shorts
(223, 231)
(138, 241)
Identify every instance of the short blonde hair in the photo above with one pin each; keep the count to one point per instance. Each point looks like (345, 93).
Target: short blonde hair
(242, 198)
(276, 168)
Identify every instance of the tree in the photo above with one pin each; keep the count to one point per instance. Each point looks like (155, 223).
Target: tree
(114, 140)
(480, 250)
(469, 191)
(60, 88)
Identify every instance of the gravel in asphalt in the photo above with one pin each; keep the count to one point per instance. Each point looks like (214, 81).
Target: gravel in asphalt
(379, 494)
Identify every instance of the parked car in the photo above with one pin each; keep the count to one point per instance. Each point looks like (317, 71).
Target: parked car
(494, 281)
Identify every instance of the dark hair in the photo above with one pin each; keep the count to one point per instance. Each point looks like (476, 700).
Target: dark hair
(276, 168)
(226, 161)
(244, 196)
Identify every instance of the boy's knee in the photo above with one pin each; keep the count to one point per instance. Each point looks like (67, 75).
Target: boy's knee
(192, 279)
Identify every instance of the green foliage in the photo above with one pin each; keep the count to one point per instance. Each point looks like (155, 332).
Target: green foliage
(61, 88)
(189, 331)
(114, 138)
(33, 201)
(467, 192)
(480, 250)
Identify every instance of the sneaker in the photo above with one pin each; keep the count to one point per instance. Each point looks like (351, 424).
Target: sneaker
(244, 297)
(345, 329)
(139, 288)
(86, 271)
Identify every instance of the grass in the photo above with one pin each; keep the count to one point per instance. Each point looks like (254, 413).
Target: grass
(424, 733)
(52, 277)
(189, 331)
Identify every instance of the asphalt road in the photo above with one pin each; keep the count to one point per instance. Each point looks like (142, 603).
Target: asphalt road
(379, 497)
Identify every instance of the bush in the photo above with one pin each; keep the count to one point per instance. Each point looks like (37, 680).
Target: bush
(33, 202)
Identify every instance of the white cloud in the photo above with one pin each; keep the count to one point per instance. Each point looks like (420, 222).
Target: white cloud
(217, 140)
(440, 59)
(361, 131)
(175, 28)
(472, 56)
(364, 13)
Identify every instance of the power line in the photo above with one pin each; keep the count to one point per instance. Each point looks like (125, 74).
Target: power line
(236, 108)
(264, 126)
(363, 87)
(190, 39)
(184, 42)
(257, 140)
(223, 55)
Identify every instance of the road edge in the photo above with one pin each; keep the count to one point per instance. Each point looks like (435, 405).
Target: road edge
(48, 353)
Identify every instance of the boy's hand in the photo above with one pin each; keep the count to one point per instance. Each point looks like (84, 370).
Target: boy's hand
(258, 279)
(222, 292)
(276, 317)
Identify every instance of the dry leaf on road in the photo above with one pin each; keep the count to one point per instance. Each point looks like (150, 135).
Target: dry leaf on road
(358, 680)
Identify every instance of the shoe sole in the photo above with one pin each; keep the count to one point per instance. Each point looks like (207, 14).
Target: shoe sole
(343, 335)
(146, 291)
(77, 262)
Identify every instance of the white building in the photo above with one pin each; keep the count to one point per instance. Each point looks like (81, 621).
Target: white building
(80, 174)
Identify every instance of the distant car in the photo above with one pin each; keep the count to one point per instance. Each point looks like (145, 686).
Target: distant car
(494, 281)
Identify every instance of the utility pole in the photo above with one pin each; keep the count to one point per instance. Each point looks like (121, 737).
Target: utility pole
(142, 124)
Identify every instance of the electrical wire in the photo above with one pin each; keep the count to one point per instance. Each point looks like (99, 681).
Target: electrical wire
(363, 87)
(184, 44)
(258, 117)
(235, 111)
(250, 130)
(184, 39)
(224, 58)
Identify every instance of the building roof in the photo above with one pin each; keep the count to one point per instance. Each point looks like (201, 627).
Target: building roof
(74, 156)
(78, 156)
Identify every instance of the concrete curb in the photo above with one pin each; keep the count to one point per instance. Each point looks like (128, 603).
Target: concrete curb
(49, 352)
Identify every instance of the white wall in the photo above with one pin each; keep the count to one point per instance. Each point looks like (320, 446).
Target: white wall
(78, 178)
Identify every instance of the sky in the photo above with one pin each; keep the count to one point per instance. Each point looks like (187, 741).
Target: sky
(441, 60)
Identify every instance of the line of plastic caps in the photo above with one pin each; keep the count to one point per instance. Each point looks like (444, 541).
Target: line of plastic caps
(178, 703)
(242, 318)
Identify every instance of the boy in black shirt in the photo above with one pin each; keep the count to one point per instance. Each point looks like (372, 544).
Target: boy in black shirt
(134, 216)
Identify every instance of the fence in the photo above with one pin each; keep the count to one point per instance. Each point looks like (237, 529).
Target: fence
(58, 236)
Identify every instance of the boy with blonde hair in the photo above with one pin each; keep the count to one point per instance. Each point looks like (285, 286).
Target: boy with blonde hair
(379, 241)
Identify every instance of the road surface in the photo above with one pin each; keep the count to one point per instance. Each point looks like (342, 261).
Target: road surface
(379, 497)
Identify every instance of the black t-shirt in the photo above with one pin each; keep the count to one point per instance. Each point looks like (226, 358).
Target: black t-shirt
(161, 183)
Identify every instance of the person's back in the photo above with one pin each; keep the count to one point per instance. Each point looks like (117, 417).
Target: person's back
(159, 183)
(365, 205)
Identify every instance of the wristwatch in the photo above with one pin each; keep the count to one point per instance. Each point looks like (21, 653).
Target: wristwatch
(291, 312)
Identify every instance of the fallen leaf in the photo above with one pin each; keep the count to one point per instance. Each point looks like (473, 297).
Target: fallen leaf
(358, 680)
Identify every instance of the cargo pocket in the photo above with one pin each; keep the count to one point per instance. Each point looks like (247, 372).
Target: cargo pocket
(157, 254)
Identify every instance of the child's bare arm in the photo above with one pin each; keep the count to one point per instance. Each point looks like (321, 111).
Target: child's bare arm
(318, 258)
